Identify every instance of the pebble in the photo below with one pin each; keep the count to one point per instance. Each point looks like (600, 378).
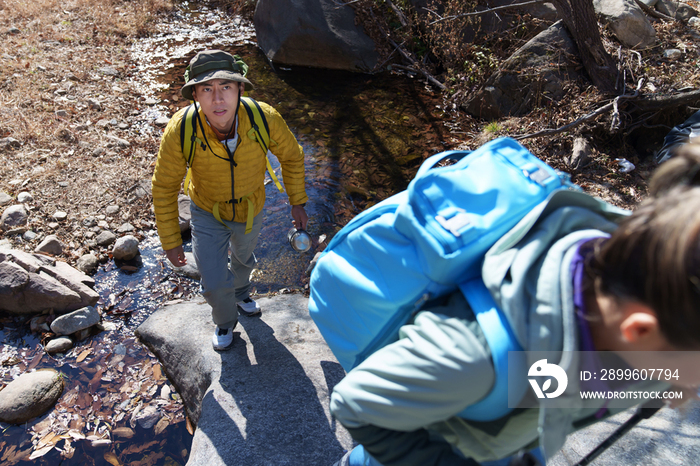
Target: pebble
(59, 215)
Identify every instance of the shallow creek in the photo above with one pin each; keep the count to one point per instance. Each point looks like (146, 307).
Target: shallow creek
(363, 137)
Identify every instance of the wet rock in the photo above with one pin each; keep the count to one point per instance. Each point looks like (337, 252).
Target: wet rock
(5, 198)
(87, 263)
(321, 34)
(105, 238)
(59, 345)
(146, 417)
(123, 432)
(24, 197)
(30, 395)
(190, 269)
(22, 292)
(75, 321)
(50, 245)
(13, 217)
(100, 442)
(126, 248)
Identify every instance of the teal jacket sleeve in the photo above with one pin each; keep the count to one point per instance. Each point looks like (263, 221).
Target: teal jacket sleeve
(438, 367)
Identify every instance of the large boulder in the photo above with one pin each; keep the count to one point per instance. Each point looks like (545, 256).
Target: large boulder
(541, 67)
(627, 21)
(32, 283)
(314, 33)
(30, 395)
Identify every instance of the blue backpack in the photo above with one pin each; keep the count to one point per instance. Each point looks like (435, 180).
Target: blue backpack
(427, 241)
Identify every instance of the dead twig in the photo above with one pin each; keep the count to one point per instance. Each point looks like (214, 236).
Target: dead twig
(483, 12)
(652, 12)
(408, 57)
(605, 108)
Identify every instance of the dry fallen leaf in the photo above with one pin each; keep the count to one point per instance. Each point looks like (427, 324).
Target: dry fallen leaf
(190, 427)
(162, 424)
(111, 458)
(83, 355)
(40, 452)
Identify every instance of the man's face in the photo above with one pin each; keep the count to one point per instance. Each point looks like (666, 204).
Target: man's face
(219, 100)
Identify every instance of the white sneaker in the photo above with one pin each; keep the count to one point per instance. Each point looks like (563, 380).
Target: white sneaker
(248, 307)
(223, 338)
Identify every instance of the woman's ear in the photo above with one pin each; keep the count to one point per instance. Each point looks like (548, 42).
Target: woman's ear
(639, 327)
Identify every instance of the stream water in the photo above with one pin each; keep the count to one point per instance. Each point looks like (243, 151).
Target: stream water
(363, 137)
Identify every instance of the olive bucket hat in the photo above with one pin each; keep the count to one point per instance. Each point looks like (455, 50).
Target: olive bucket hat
(214, 64)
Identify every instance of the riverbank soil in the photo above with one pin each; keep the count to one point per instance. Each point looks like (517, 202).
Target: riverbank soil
(80, 134)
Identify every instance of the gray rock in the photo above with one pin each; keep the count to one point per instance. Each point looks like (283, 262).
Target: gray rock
(146, 417)
(5, 198)
(76, 281)
(581, 154)
(9, 143)
(99, 151)
(162, 121)
(673, 54)
(59, 345)
(30, 395)
(50, 245)
(112, 209)
(320, 34)
(29, 236)
(125, 228)
(94, 104)
(60, 216)
(184, 216)
(627, 21)
(105, 238)
(87, 263)
(126, 248)
(123, 143)
(61, 113)
(14, 31)
(75, 321)
(109, 71)
(24, 197)
(676, 10)
(22, 292)
(225, 394)
(541, 66)
(190, 270)
(13, 217)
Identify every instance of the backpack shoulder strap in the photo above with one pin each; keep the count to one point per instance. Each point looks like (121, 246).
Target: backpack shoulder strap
(188, 139)
(501, 339)
(260, 132)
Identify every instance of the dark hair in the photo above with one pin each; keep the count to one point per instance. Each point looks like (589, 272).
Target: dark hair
(682, 169)
(654, 258)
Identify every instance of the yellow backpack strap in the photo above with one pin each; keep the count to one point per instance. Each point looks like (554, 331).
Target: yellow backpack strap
(249, 220)
(188, 140)
(260, 132)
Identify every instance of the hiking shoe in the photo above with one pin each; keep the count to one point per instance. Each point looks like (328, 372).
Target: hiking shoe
(248, 307)
(223, 338)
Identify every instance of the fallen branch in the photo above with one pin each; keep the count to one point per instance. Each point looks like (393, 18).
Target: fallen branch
(652, 12)
(490, 10)
(605, 108)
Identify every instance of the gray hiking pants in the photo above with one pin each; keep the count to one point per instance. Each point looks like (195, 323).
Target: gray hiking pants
(223, 284)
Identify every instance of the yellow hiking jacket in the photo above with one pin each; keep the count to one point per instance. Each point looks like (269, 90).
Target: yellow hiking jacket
(211, 175)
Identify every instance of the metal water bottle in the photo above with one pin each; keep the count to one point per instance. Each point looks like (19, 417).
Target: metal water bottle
(299, 240)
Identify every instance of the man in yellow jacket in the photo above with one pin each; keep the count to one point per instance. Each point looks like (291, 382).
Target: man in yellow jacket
(227, 182)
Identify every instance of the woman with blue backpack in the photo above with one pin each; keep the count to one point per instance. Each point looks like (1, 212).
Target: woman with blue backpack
(575, 279)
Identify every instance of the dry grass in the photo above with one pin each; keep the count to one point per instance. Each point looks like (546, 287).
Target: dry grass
(64, 68)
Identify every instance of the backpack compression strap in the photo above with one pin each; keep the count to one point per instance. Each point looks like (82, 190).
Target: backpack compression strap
(501, 339)
(260, 132)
